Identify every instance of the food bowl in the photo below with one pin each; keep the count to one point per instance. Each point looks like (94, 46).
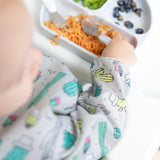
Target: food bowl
(105, 16)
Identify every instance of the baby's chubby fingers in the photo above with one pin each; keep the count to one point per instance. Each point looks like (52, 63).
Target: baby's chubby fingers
(121, 49)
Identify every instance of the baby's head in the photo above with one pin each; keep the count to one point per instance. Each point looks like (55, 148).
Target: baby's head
(19, 61)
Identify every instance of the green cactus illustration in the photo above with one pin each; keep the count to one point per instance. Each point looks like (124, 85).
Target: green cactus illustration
(117, 133)
(69, 140)
(103, 77)
(74, 158)
(92, 109)
(71, 88)
(79, 124)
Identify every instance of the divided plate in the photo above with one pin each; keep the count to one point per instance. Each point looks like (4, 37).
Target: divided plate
(104, 14)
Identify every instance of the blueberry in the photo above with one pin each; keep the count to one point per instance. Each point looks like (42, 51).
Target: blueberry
(120, 2)
(116, 9)
(116, 12)
(127, 10)
(128, 24)
(128, 6)
(126, 1)
(134, 8)
(129, 2)
(120, 18)
(139, 9)
(138, 12)
(139, 31)
(122, 9)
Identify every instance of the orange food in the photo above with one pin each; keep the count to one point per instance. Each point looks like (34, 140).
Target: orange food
(74, 32)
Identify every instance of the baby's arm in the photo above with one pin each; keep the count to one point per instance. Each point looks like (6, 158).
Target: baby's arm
(120, 48)
(106, 99)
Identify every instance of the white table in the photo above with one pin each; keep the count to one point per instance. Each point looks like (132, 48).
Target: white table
(142, 136)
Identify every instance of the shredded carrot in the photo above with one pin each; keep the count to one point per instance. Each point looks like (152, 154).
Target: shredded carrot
(73, 31)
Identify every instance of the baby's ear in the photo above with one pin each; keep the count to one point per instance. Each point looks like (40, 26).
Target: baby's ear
(34, 58)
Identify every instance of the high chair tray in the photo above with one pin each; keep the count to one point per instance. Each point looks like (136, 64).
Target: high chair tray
(139, 20)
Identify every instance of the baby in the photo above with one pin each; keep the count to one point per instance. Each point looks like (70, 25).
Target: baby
(56, 119)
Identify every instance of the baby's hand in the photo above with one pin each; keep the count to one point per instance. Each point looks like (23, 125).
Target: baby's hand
(121, 49)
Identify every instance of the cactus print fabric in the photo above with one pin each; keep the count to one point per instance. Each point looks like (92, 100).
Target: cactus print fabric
(61, 121)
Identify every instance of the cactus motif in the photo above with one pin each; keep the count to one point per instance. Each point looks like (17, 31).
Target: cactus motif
(71, 88)
(103, 77)
(87, 144)
(117, 133)
(69, 140)
(55, 102)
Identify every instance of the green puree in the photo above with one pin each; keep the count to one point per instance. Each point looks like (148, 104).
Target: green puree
(92, 4)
